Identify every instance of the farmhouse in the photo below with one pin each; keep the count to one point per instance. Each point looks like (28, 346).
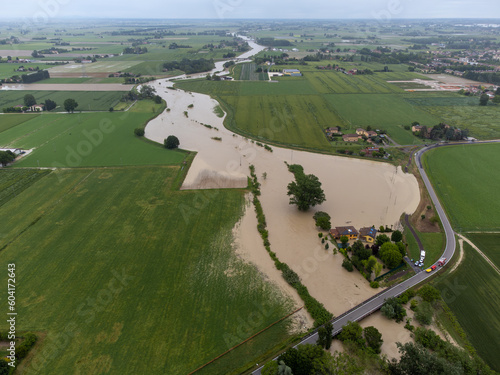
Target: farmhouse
(416, 128)
(350, 137)
(333, 130)
(367, 234)
(292, 72)
(349, 231)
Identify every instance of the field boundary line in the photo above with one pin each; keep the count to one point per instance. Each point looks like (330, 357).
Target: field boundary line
(248, 339)
(480, 252)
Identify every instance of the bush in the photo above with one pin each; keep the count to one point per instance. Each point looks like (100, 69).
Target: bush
(139, 132)
(429, 293)
(424, 313)
(322, 220)
(374, 284)
(347, 264)
(396, 236)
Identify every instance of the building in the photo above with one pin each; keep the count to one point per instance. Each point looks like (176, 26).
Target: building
(360, 131)
(416, 128)
(350, 137)
(292, 72)
(333, 130)
(349, 231)
(368, 234)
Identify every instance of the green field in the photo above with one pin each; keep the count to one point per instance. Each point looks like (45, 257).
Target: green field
(489, 243)
(121, 268)
(389, 112)
(14, 182)
(87, 100)
(473, 293)
(9, 70)
(91, 139)
(8, 121)
(248, 73)
(463, 178)
(433, 244)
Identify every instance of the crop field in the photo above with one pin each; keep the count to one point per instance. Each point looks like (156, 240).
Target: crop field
(466, 184)
(291, 119)
(488, 243)
(473, 294)
(248, 73)
(106, 66)
(482, 122)
(9, 70)
(332, 82)
(363, 110)
(144, 268)
(8, 121)
(93, 139)
(87, 100)
(14, 181)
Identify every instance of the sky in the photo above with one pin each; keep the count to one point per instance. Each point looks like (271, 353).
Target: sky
(257, 9)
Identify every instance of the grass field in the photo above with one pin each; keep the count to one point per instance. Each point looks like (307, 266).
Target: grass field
(433, 244)
(293, 119)
(381, 111)
(488, 243)
(105, 66)
(144, 268)
(13, 182)
(473, 294)
(8, 121)
(87, 100)
(463, 179)
(255, 103)
(92, 139)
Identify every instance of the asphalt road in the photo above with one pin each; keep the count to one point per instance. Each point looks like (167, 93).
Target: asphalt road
(373, 304)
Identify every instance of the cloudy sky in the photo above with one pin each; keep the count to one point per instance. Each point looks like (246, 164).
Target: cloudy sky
(226, 9)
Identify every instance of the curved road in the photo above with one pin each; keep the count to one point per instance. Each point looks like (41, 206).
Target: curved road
(373, 304)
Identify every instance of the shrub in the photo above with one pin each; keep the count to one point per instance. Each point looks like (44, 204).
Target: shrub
(424, 313)
(139, 132)
(347, 264)
(429, 293)
(374, 284)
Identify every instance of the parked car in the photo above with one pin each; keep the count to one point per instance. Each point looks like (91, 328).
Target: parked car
(431, 269)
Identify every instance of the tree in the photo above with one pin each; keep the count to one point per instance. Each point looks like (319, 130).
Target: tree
(4, 367)
(325, 336)
(139, 132)
(390, 255)
(416, 360)
(283, 369)
(171, 142)
(352, 332)
(70, 105)
(396, 236)
(347, 264)
(301, 360)
(429, 293)
(483, 100)
(393, 309)
(402, 248)
(322, 220)
(337, 364)
(50, 105)
(305, 191)
(371, 263)
(29, 100)
(6, 157)
(381, 239)
(344, 240)
(360, 251)
(373, 338)
(270, 368)
(147, 92)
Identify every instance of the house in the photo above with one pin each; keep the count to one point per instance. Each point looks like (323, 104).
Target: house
(371, 134)
(350, 137)
(370, 150)
(37, 108)
(416, 128)
(368, 234)
(349, 231)
(360, 131)
(292, 72)
(331, 131)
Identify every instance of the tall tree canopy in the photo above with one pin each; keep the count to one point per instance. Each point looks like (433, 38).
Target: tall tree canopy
(305, 191)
